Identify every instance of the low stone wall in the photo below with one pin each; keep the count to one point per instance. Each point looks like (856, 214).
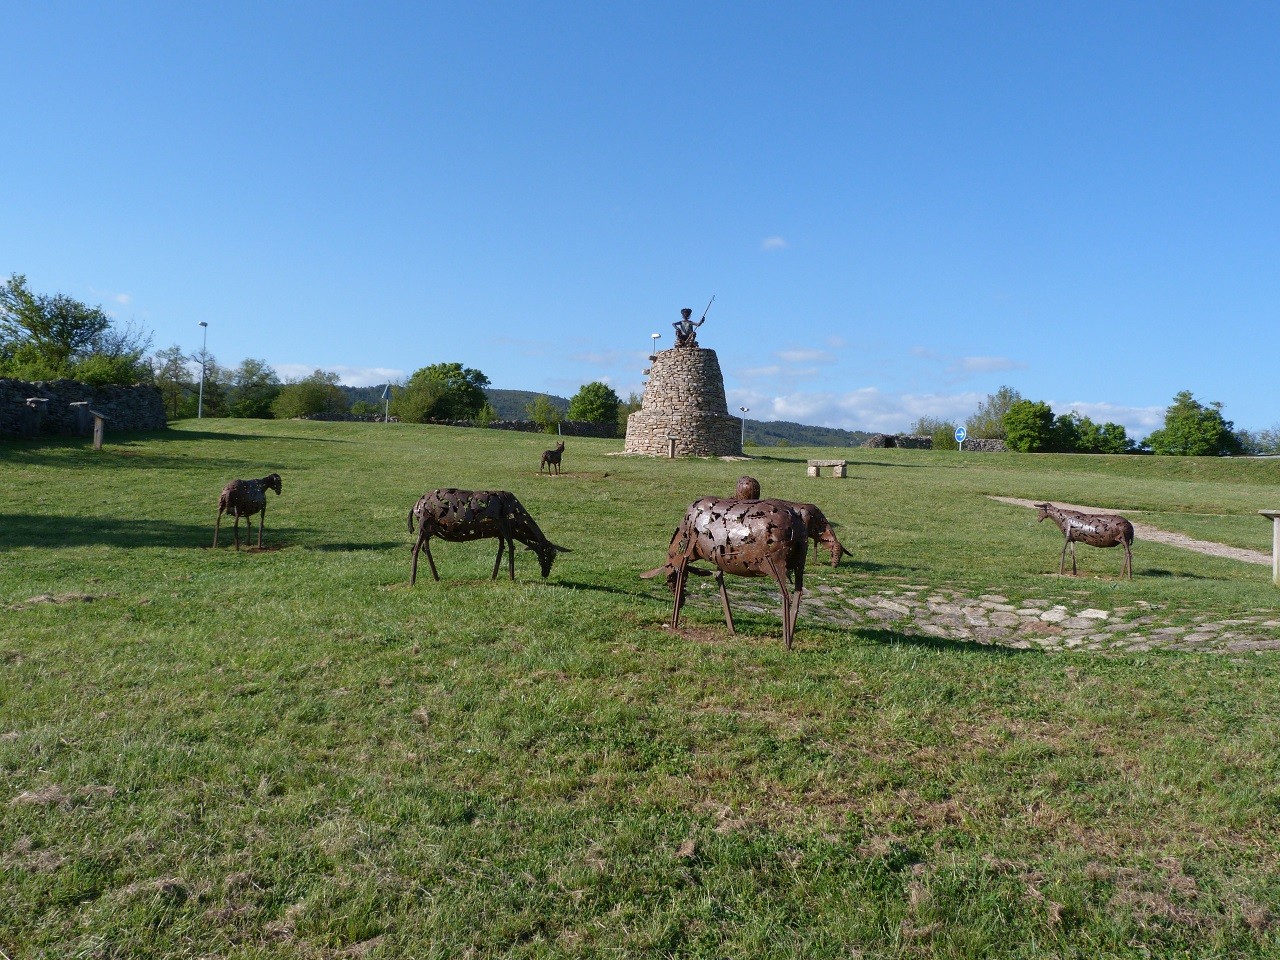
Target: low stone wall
(568, 428)
(977, 445)
(904, 440)
(127, 409)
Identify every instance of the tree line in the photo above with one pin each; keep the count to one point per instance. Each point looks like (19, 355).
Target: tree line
(1191, 429)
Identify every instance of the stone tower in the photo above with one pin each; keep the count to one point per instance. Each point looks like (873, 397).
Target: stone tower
(684, 400)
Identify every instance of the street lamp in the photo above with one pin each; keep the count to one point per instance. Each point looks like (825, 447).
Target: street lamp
(203, 354)
(655, 337)
(743, 442)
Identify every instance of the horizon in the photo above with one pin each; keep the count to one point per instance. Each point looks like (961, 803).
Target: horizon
(898, 210)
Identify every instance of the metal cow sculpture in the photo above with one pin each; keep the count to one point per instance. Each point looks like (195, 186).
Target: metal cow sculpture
(1097, 530)
(748, 538)
(461, 515)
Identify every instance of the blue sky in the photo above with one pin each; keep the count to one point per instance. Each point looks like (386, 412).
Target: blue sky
(899, 207)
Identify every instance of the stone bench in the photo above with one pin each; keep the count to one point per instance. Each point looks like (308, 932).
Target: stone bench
(839, 468)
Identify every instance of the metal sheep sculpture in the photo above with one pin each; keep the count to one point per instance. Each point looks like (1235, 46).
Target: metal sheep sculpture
(460, 515)
(244, 498)
(1097, 530)
(748, 538)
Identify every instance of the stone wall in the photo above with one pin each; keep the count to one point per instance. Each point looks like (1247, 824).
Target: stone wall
(127, 409)
(904, 440)
(568, 428)
(684, 399)
(974, 445)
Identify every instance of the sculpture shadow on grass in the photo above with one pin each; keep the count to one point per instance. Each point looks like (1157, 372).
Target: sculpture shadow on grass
(53, 532)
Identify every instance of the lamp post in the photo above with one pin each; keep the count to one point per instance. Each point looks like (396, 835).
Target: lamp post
(203, 354)
(655, 337)
(743, 442)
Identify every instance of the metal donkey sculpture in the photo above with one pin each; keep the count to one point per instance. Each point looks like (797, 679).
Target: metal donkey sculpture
(748, 538)
(460, 515)
(1097, 530)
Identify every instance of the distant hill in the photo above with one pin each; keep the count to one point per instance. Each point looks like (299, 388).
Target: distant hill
(767, 433)
(511, 404)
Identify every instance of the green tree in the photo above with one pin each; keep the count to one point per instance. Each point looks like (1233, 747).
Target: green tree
(46, 337)
(215, 401)
(1106, 438)
(987, 422)
(317, 393)
(442, 391)
(1029, 426)
(1192, 429)
(544, 413)
(254, 388)
(594, 402)
(171, 374)
(1260, 442)
(626, 408)
(486, 415)
(942, 431)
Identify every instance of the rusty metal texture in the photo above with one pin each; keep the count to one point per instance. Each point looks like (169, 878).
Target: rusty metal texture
(457, 516)
(1097, 530)
(748, 538)
(748, 488)
(551, 458)
(244, 498)
(820, 531)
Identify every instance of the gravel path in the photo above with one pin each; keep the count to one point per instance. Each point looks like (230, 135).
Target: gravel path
(1144, 531)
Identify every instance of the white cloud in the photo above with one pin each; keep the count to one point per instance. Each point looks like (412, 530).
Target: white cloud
(604, 358)
(350, 376)
(1137, 421)
(773, 243)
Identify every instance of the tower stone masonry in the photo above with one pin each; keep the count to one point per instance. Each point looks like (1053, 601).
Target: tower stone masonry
(684, 400)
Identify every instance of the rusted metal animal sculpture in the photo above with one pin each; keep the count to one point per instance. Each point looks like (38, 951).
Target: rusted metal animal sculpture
(748, 538)
(820, 531)
(461, 515)
(1097, 530)
(551, 458)
(748, 488)
(244, 498)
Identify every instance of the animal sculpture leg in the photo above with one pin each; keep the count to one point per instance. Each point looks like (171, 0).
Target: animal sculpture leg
(1062, 560)
(682, 573)
(236, 530)
(1073, 559)
(413, 574)
(788, 622)
(724, 601)
(262, 517)
(216, 525)
(799, 594)
(1128, 559)
(497, 561)
(511, 557)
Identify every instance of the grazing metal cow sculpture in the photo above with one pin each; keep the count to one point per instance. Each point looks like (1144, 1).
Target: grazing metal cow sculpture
(551, 458)
(244, 498)
(748, 538)
(460, 515)
(1097, 530)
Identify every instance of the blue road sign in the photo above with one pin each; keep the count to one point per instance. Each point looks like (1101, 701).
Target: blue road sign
(961, 434)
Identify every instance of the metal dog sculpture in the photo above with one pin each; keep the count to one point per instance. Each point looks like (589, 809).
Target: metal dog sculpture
(748, 538)
(1097, 530)
(551, 458)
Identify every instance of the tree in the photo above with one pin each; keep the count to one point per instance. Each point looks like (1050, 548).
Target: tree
(594, 402)
(1192, 429)
(171, 375)
(1029, 426)
(317, 393)
(1107, 438)
(442, 391)
(544, 413)
(47, 337)
(942, 431)
(626, 408)
(1260, 442)
(212, 400)
(254, 388)
(987, 422)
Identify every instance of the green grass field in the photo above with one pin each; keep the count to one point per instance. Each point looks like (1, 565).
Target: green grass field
(291, 753)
